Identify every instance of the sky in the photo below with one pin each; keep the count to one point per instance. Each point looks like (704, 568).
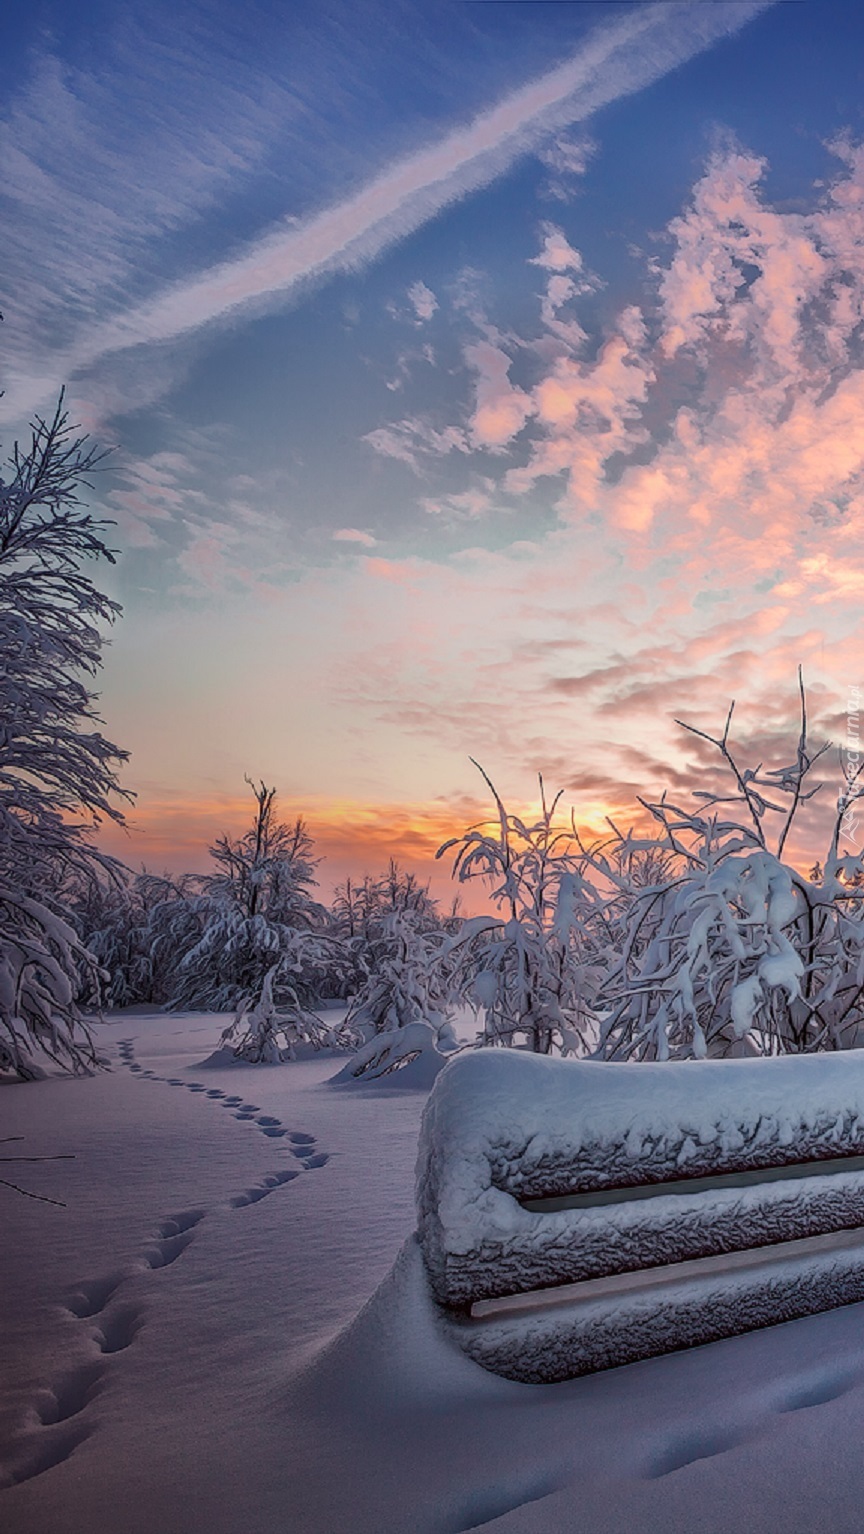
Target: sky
(485, 380)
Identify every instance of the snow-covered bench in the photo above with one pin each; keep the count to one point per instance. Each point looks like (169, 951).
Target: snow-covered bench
(577, 1215)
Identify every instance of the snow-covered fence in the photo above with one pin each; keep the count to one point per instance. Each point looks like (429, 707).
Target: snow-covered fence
(578, 1215)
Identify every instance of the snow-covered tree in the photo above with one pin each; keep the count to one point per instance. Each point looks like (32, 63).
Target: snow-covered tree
(527, 971)
(378, 920)
(57, 771)
(269, 870)
(401, 1008)
(138, 927)
(256, 914)
(46, 973)
(405, 981)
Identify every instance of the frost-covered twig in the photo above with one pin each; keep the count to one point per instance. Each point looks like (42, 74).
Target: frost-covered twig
(42, 1197)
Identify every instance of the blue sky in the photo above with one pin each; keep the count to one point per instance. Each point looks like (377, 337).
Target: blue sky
(483, 379)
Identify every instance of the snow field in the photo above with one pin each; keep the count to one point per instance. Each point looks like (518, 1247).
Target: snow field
(285, 1372)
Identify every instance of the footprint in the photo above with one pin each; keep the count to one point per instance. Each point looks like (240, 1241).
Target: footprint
(196, 1086)
(487, 1507)
(120, 1330)
(231, 1102)
(313, 1161)
(267, 1118)
(251, 1108)
(300, 1150)
(187, 1219)
(175, 1234)
(215, 1092)
(276, 1179)
(274, 1134)
(245, 1116)
(700, 1444)
(53, 1446)
(819, 1389)
(168, 1250)
(70, 1396)
(249, 1196)
(91, 1295)
(300, 1139)
(135, 1067)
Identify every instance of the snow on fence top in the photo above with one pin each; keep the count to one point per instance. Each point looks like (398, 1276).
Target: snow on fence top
(538, 1175)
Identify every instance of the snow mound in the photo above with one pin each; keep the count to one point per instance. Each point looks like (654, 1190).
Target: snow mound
(401, 1057)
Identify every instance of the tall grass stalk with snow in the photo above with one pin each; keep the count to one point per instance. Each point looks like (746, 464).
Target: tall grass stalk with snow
(527, 971)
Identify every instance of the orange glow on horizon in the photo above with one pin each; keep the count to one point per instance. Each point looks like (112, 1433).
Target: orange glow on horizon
(351, 837)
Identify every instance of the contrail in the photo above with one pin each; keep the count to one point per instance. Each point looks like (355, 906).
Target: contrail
(614, 61)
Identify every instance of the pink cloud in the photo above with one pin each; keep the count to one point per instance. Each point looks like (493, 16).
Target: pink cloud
(354, 535)
(501, 410)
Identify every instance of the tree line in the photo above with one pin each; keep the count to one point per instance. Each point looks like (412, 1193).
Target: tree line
(694, 936)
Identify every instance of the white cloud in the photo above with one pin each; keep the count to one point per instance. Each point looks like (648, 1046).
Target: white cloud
(423, 301)
(566, 160)
(465, 504)
(559, 258)
(411, 440)
(614, 61)
(557, 254)
(731, 246)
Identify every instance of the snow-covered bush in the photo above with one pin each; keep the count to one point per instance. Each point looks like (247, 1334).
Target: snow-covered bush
(269, 870)
(55, 765)
(733, 950)
(267, 1031)
(227, 964)
(405, 982)
(528, 972)
(255, 914)
(363, 915)
(400, 1010)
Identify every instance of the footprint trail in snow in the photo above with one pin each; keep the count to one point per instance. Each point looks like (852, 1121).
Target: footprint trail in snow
(59, 1419)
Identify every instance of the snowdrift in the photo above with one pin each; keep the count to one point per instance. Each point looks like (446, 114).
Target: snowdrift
(575, 1215)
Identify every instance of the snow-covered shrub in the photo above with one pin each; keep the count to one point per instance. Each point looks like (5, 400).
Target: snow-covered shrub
(267, 1031)
(396, 942)
(228, 962)
(405, 982)
(55, 765)
(255, 914)
(733, 950)
(269, 870)
(367, 915)
(528, 972)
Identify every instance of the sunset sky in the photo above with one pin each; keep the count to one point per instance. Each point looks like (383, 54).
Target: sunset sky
(486, 380)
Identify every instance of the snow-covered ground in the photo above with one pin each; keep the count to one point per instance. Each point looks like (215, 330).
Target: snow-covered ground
(227, 1329)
